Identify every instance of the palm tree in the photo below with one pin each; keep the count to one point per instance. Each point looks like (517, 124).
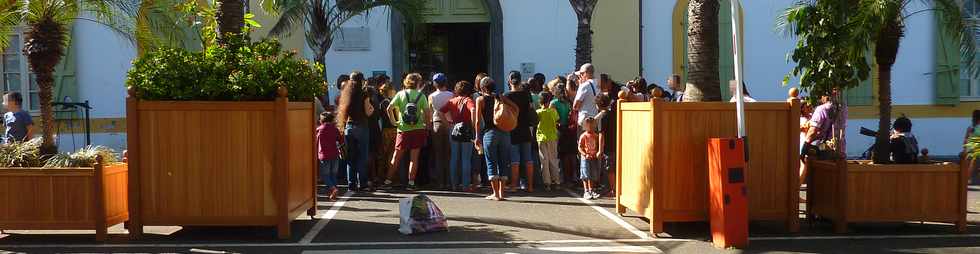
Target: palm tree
(324, 18)
(231, 17)
(583, 36)
(702, 54)
(48, 26)
(837, 35)
(885, 20)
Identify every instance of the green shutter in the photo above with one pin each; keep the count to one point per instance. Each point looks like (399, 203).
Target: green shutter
(947, 65)
(65, 82)
(863, 94)
(726, 62)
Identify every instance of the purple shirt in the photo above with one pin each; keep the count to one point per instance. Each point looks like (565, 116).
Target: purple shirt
(823, 121)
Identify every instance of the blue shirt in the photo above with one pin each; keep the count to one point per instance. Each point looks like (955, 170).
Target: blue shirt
(16, 123)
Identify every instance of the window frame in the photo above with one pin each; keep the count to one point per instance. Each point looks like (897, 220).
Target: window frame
(28, 85)
(972, 84)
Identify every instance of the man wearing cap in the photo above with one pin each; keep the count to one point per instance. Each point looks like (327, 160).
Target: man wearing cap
(440, 132)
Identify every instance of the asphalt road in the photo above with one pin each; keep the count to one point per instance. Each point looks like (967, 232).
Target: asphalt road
(552, 222)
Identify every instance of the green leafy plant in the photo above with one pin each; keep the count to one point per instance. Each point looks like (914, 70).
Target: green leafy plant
(972, 148)
(21, 154)
(244, 71)
(85, 157)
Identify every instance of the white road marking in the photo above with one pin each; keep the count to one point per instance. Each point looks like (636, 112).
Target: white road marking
(611, 216)
(442, 243)
(599, 249)
(325, 218)
(861, 237)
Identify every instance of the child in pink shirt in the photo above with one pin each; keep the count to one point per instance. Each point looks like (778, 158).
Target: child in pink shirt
(327, 140)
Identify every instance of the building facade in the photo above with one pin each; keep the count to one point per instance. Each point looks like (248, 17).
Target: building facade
(631, 38)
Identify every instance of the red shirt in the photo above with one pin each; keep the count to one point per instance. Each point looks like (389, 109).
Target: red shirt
(327, 138)
(589, 143)
(452, 108)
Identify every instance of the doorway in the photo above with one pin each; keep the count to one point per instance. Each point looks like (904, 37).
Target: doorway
(460, 50)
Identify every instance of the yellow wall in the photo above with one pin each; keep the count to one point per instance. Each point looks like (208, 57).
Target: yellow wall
(296, 41)
(616, 43)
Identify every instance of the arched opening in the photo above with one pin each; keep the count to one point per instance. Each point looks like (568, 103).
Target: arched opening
(726, 65)
(459, 37)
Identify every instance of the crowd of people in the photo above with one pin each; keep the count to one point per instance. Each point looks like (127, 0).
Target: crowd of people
(538, 134)
(458, 137)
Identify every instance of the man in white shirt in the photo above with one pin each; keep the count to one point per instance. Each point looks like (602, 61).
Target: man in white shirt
(440, 131)
(732, 85)
(587, 91)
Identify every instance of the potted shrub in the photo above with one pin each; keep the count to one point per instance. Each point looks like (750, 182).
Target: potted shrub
(840, 43)
(222, 137)
(85, 190)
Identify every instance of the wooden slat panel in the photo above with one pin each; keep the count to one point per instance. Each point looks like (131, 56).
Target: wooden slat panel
(917, 194)
(204, 163)
(636, 185)
(675, 164)
(52, 199)
(302, 179)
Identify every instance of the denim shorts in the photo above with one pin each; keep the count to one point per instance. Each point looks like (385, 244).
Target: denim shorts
(589, 170)
(521, 153)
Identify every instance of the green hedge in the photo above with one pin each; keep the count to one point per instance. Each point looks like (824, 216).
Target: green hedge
(250, 72)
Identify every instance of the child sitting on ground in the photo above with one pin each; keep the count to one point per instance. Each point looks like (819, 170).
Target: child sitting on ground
(17, 121)
(327, 140)
(588, 148)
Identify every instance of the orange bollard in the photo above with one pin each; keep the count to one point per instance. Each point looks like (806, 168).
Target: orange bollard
(727, 193)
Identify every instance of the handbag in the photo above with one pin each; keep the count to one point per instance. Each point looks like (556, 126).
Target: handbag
(504, 117)
(462, 131)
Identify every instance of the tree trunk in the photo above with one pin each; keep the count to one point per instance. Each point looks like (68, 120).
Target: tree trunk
(321, 58)
(583, 43)
(583, 37)
(885, 113)
(886, 51)
(44, 47)
(702, 43)
(231, 18)
(45, 84)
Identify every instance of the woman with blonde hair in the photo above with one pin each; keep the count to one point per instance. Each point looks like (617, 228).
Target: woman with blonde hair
(410, 109)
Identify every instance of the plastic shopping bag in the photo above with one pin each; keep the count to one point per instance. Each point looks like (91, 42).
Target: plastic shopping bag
(419, 214)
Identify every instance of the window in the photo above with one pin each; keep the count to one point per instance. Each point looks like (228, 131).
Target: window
(970, 86)
(16, 73)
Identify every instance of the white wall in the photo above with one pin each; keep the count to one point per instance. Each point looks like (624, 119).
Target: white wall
(657, 40)
(103, 59)
(377, 58)
(540, 32)
(913, 81)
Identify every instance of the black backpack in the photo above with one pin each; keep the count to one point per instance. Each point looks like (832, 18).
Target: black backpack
(411, 114)
(462, 131)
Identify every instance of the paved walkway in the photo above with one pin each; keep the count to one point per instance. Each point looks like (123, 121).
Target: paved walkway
(552, 222)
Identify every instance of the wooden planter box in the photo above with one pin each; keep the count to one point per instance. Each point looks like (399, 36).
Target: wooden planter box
(220, 163)
(64, 198)
(663, 162)
(857, 191)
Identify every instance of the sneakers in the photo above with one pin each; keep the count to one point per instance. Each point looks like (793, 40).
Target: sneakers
(590, 195)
